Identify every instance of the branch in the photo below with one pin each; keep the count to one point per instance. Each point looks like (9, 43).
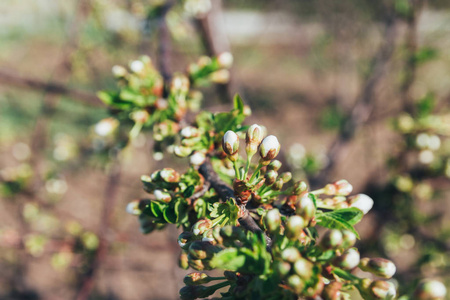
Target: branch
(9, 78)
(225, 193)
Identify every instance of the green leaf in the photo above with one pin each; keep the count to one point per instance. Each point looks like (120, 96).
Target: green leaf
(352, 215)
(228, 259)
(169, 215)
(238, 103)
(313, 198)
(331, 221)
(157, 209)
(189, 191)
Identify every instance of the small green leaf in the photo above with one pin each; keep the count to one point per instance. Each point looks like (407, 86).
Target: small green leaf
(228, 259)
(157, 209)
(331, 221)
(238, 103)
(313, 198)
(189, 191)
(169, 215)
(352, 215)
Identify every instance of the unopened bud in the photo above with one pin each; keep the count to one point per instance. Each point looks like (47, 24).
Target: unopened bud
(303, 268)
(180, 83)
(201, 226)
(225, 60)
(300, 187)
(137, 66)
(184, 238)
(169, 175)
(220, 76)
(133, 208)
(273, 221)
(189, 132)
(341, 187)
(274, 165)
(383, 290)
(282, 267)
(202, 250)
(230, 143)
(271, 177)
(247, 111)
(196, 278)
(295, 283)
(269, 148)
(294, 227)
(348, 239)
(278, 185)
(140, 116)
(332, 291)
(430, 290)
(332, 239)
(286, 176)
(362, 202)
(349, 259)
(182, 151)
(119, 71)
(183, 261)
(290, 254)
(197, 158)
(253, 138)
(305, 208)
(162, 196)
(378, 266)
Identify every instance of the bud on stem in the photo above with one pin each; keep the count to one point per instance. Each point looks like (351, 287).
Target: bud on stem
(378, 266)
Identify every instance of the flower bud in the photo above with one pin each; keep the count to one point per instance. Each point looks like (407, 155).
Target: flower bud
(253, 139)
(180, 83)
(430, 290)
(137, 66)
(196, 278)
(106, 126)
(300, 187)
(195, 291)
(247, 111)
(133, 208)
(332, 291)
(378, 266)
(225, 60)
(294, 227)
(201, 226)
(295, 283)
(290, 254)
(183, 261)
(286, 176)
(270, 177)
(305, 208)
(184, 238)
(303, 268)
(162, 196)
(282, 268)
(208, 237)
(169, 175)
(273, 221)
(119, 71)
(340, 187)
(269, 148)
(182, 151)
(348, 260)
(332, 239)
(197, 158)
(348, 239)
(139, 116)
(362, 202)
(383, 290)
(189, 132)
(278, 185)
(230, 143)
(201, 250)
(274, 165)
(220, 76)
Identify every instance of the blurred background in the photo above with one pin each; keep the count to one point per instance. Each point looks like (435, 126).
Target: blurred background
(352, 89)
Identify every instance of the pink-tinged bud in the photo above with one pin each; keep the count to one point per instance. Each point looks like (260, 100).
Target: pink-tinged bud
(340, 187)
(269, 148)
(332, 291)
(300, 187)
(140, 116)
(225, 60)
(197, 158)
(220, 76)
(305, 208)
(189, 132)
(230, 143)
(332, 239)
(303, 268)
(362, 202)
(196, 278)
(202, 250)
(253, 138)
(378, 266)
(430, 290)
(162, 196)
(383, 290)
(270, 177)
(294, 227)
(282, 267)
(183, 261)
(349, 259)
(274, 165)
(184, 238)
(278, 185)
(169, 175)
(290, 255)
(201, 226)
(273, 221)
(295, 283)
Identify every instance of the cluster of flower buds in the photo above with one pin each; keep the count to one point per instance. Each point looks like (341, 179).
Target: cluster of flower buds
(214, 69)
(377, 289)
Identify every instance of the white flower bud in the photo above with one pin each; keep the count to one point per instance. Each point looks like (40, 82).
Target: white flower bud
(137, 66)
(188, 132)
(230, 143)
(225, 60)
(106, 126)
(133, 208)
(269, 148)
(162, 196)
(119, 71)
(197, 158)
(362, 202)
